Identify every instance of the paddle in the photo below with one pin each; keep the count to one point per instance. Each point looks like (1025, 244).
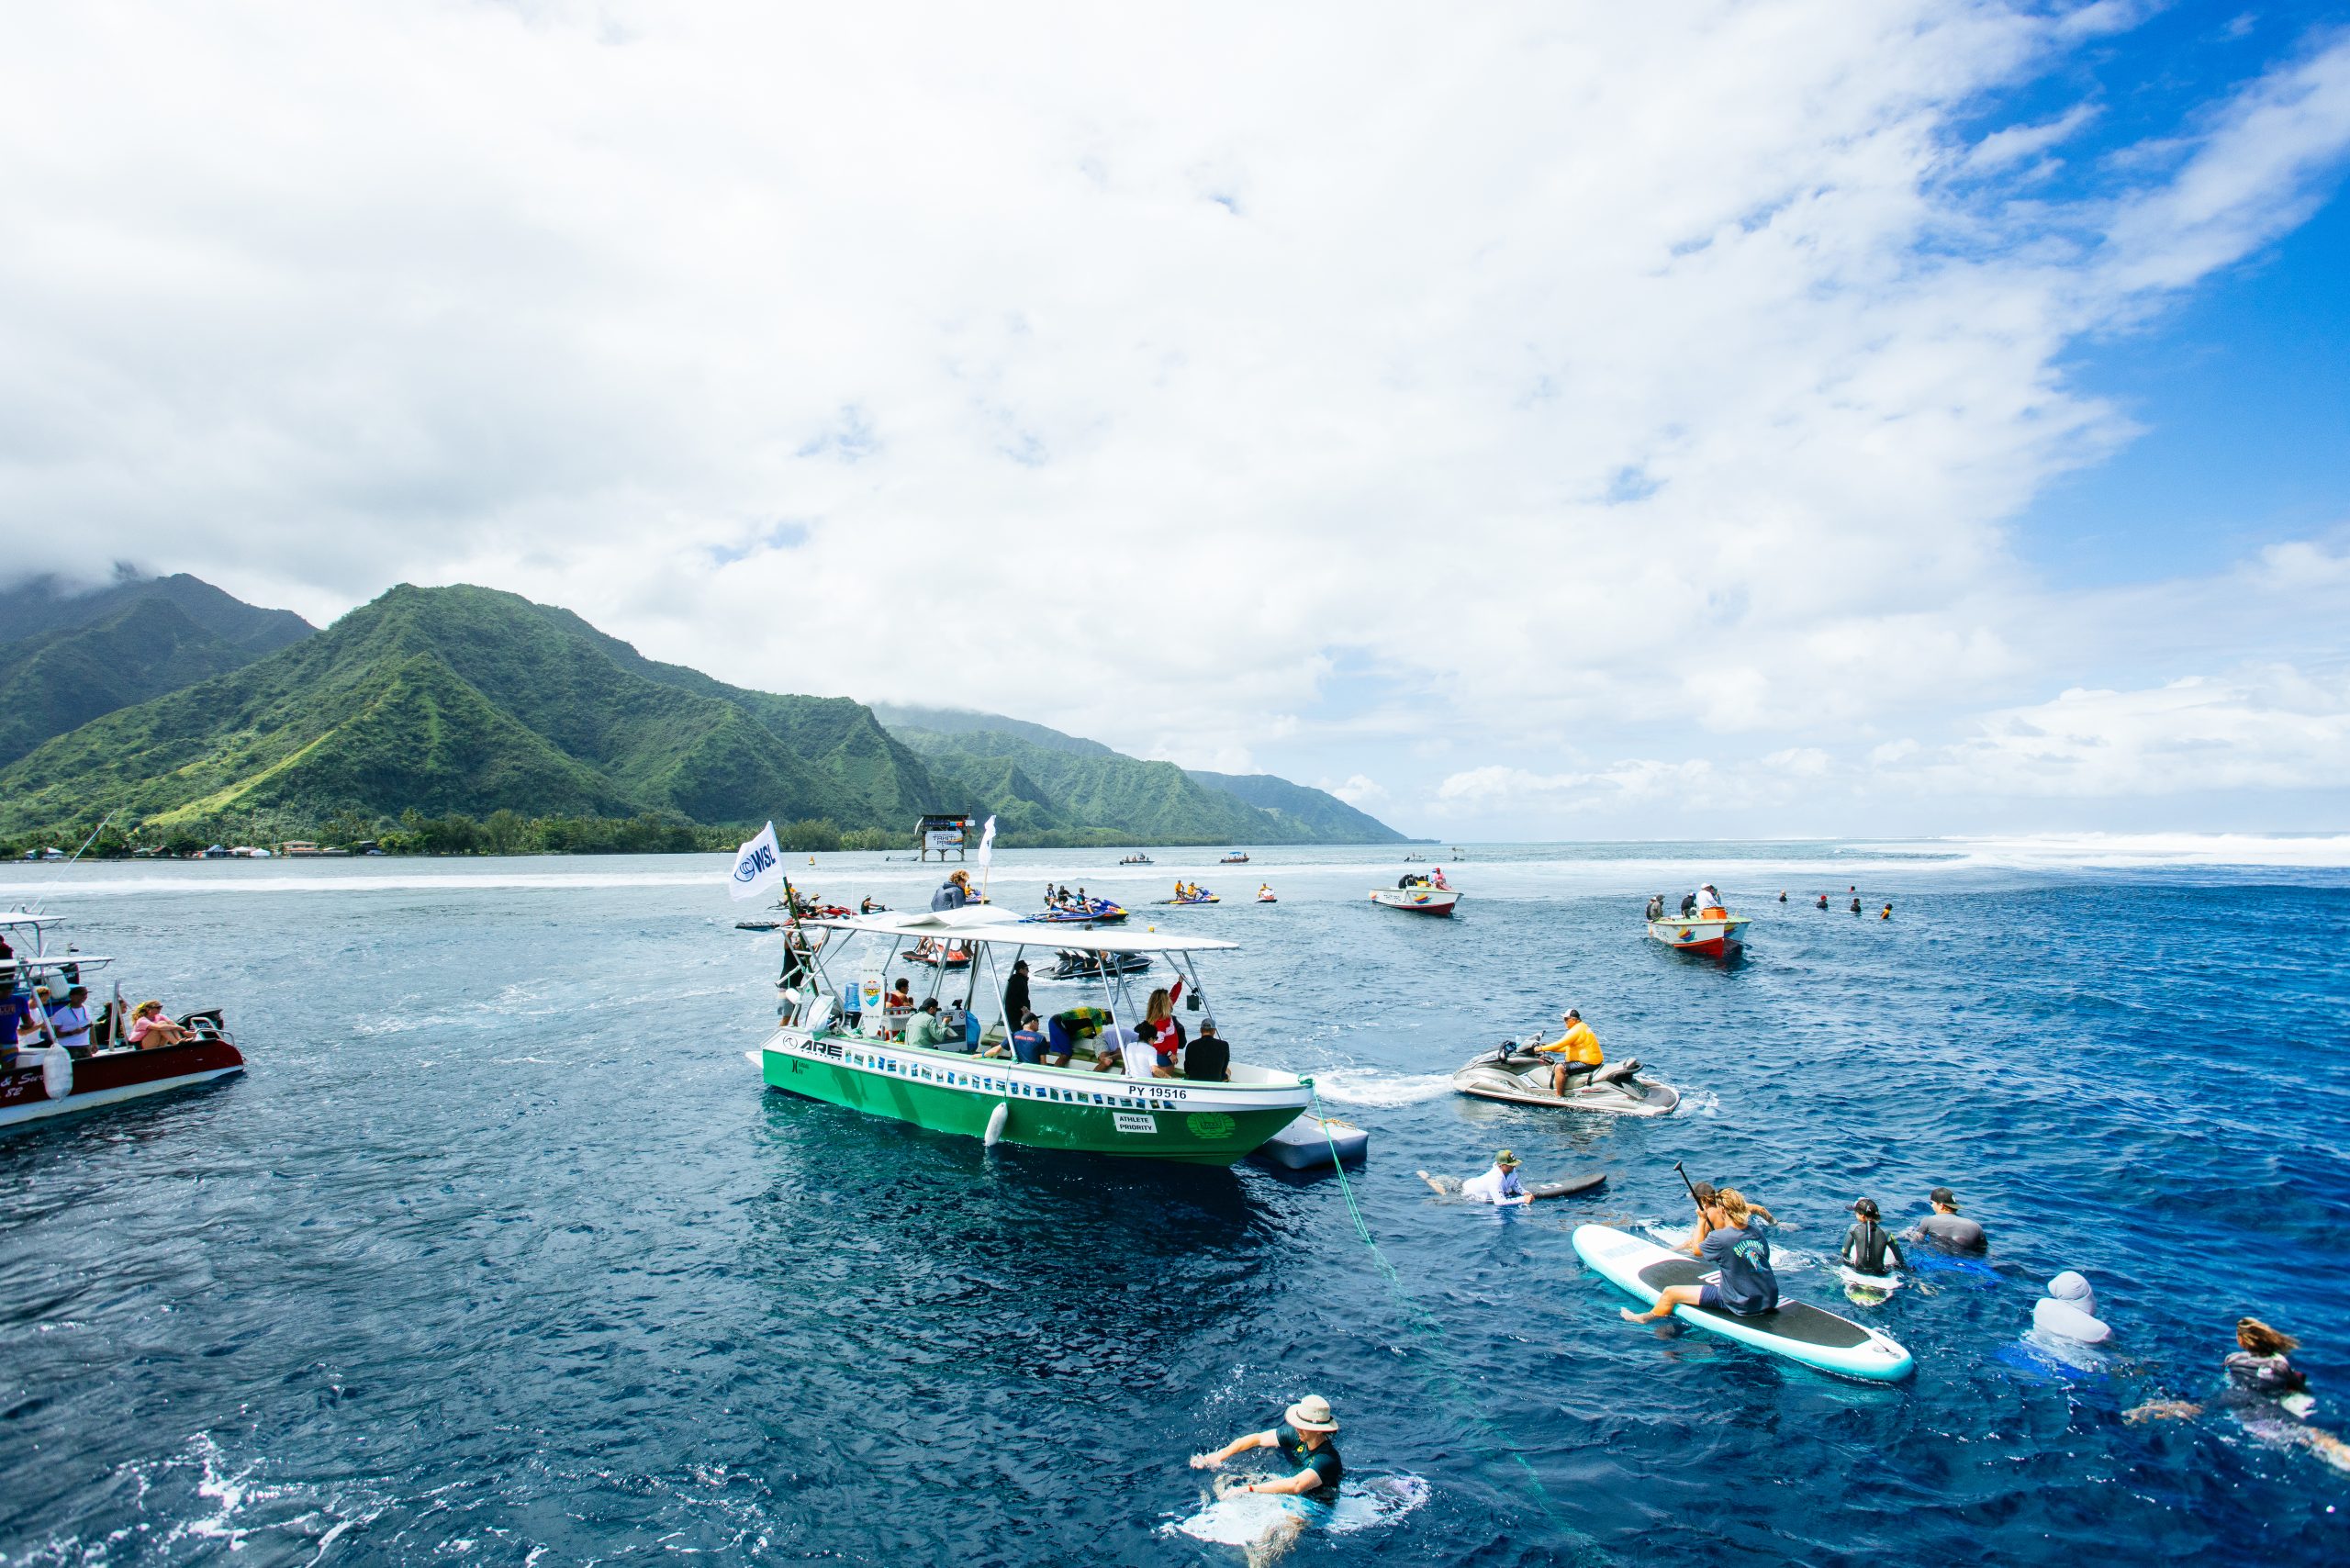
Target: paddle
(1686, 1183)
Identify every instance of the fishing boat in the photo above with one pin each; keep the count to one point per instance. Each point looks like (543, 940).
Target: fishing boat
(1138, 860)
(1235, 859)
(46, 1080)
(1416, 897)
(1712, 932)
(834, 1045)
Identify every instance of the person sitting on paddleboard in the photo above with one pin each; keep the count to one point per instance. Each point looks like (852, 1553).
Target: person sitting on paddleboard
(1736, 1245)
(1947, 1227)
(1577, 1050)
(1703, 1193)
(1866, 1245)
(1304, 1439)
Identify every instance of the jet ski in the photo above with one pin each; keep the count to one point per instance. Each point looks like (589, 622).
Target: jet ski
(1075, 965)
(1517, 1075)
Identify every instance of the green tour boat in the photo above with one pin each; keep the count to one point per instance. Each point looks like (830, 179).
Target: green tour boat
(837, 1041)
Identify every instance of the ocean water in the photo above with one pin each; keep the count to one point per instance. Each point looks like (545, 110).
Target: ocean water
(499, 1252)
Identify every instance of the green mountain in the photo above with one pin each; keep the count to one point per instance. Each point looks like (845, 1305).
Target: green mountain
(1039, 781)
(77, 656)
(468, 699)
(1323, 817)
(456, 703)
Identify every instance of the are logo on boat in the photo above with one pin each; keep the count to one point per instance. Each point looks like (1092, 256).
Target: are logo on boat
(1209, 1126)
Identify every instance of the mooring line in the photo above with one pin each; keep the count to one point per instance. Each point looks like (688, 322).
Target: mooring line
(1441, 1358)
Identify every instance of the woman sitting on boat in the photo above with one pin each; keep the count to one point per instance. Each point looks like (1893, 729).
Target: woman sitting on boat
(150, 1030)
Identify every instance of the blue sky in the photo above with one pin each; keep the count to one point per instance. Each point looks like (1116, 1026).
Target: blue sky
(1543, 420)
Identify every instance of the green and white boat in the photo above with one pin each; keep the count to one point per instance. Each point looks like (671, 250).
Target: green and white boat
(831, 1045)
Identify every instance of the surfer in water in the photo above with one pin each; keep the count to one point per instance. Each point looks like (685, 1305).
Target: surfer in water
(1499, 1185)
(1735, 1243)
(1304, 1438)
(1867, 1247)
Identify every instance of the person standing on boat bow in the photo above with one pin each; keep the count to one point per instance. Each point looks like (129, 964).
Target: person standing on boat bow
(1576, 1051)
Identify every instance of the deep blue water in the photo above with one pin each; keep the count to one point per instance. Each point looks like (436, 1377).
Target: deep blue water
(499, 1252)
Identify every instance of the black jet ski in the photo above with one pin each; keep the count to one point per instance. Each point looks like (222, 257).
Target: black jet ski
(1516, 1074)
(1074, 965)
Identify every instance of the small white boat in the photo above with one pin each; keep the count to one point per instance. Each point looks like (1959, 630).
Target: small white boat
(1417, 899)
(1712, 934)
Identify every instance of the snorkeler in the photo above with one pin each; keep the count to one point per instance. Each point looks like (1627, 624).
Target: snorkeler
(1499, 1185)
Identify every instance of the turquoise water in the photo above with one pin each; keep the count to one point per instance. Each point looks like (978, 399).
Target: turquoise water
(499, 1253)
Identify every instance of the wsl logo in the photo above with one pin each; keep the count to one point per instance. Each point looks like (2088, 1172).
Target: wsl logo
(756, 862)
(757, 865)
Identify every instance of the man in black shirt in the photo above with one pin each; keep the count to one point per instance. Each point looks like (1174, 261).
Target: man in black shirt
(1209, 1059)
(1306, 1438)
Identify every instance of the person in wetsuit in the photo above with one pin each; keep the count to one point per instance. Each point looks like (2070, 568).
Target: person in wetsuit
(1947, 1227)
(1735, 1244)
(1867, 1246)
(1304, 1438)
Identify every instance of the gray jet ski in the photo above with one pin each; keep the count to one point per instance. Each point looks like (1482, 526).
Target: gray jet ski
(1517, 1075)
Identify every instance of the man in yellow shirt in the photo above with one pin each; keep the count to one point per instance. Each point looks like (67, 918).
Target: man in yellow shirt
(1577, 1050)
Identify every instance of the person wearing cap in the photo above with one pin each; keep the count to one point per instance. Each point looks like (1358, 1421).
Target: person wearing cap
(1866, 1245)
(1304, 1439)
(1577, 1050)
(1947, 1227)
(924, 1029)
(2069, 1312)
(1499, 1185)
(70, 1020)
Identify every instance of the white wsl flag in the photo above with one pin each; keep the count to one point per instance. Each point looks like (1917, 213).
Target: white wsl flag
(758, 865)
(987, 843)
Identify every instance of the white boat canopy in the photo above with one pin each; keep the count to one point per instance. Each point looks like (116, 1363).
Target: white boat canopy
(991, 922)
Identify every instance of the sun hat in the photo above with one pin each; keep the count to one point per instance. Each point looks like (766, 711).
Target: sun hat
(1505, 1158)
(1311, 1414)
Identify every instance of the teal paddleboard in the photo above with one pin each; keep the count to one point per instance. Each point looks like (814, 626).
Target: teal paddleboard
(1794, 1329)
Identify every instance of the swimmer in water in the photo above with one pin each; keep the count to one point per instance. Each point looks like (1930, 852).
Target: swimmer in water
(1888, 915)
(2265, 1392)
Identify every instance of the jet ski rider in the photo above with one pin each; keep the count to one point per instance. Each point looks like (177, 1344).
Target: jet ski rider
(1577, 1050)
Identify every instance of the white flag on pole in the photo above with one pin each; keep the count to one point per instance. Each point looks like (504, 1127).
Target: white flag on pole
(758, 865)
(986, 844)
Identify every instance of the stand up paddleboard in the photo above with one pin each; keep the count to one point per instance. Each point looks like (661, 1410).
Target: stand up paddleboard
(1800, 1332)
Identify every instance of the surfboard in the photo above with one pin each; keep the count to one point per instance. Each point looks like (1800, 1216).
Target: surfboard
(1566, 1188)
(1867, 1289)
(1243, 1519)
(1795, 1330)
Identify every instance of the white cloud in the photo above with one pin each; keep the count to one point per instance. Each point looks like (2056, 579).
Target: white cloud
(1542, 366)
(1359, 790)
(2258, 730)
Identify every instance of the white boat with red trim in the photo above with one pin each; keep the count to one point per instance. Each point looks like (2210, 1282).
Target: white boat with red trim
(48, 1074)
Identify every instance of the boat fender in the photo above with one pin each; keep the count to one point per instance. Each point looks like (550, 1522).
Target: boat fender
(996, 1118)
(56, 1072)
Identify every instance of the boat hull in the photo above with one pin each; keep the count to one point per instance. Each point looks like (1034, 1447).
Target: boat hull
(109, 1078)
(1711, 937)
(1417, 900)
(1201, 1124)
